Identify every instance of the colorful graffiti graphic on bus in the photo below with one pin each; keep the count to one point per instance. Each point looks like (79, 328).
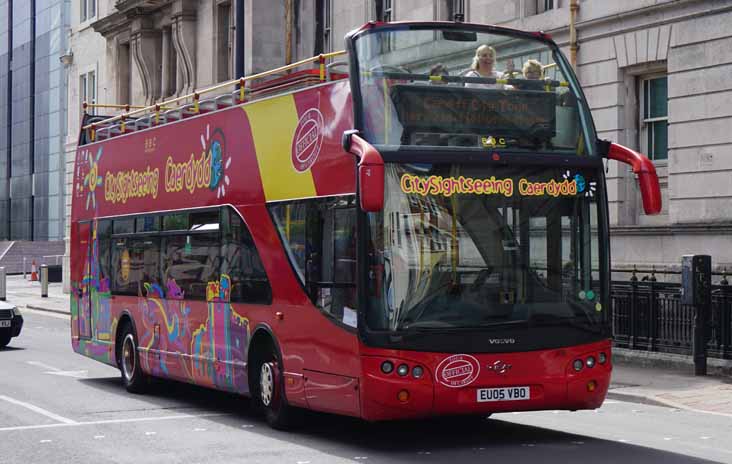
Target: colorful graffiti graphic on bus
(90, 305)
(92, 179)
(207, 171)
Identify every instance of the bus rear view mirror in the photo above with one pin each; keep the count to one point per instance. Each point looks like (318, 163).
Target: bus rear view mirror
(370, 171)
(644, 169)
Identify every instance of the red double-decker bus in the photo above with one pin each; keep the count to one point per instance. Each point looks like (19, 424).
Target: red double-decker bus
(418, 235)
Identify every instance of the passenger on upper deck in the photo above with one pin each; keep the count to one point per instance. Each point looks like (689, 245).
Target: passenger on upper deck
(437, 72)
(532, 70)
(485, 57)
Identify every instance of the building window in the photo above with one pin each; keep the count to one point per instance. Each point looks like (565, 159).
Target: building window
(124, 73)
(88, 9)
(88, 87)
(385, 13)
(544, 5)
(327, 25)
(224, 41)
(455, 10)
(654, 117)
(534, 7)
(384, 10)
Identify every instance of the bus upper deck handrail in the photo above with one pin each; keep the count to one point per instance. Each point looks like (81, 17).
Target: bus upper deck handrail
(196, 94)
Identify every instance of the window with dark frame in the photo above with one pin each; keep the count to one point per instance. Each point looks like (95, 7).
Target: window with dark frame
(385, 13)
(653, 104)
(224, 52)
(88, 10)
(88, 88)
(454, 10)
(544, 5)
(319, 237)
(327, 25)
(175, 256)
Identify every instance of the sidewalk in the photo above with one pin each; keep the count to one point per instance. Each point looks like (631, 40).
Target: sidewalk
(27, 294)
(636, 379)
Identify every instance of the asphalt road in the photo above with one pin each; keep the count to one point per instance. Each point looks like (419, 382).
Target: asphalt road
(57, 406)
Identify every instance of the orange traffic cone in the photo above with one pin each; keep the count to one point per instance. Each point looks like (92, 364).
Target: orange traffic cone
(34, 272)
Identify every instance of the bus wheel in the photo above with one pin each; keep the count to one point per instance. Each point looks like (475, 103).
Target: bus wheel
(134, 380)
(271, 397)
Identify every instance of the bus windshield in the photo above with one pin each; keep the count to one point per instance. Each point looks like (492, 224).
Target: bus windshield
(470, 246)
(442, 86)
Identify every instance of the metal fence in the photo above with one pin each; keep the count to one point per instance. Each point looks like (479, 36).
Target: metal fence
(648, 315)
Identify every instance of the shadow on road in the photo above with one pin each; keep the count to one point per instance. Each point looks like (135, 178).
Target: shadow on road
(457, 439)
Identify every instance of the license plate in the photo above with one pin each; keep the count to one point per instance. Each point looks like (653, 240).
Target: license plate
(5, 323)
(503, 394)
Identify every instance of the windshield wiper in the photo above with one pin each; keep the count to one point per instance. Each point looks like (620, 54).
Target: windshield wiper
(552, 320)
(439, 326)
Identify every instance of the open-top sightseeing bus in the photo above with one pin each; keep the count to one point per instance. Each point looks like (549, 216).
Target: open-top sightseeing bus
(381, 242)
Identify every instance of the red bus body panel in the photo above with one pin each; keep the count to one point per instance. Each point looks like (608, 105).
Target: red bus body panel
(281, 148)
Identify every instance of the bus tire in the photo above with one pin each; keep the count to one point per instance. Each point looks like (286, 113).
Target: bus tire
(133, 378)
(269, 395)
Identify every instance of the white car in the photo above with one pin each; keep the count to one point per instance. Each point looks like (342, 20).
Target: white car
(11, 321)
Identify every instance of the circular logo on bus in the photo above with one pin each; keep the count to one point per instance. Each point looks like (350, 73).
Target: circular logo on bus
(307, 140)
(457, 371)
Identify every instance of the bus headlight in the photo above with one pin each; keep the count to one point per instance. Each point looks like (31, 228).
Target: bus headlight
(417, 372)
(590, 362)
(403, 370)
(602, 358)
(578, 364)
(387, 367)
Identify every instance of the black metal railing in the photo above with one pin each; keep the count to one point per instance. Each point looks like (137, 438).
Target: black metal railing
(648, 315)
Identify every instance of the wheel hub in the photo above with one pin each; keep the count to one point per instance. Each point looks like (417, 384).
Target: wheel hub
(128, 357)
(266, 384)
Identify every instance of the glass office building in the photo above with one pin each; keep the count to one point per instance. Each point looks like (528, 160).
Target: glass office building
(33, 35)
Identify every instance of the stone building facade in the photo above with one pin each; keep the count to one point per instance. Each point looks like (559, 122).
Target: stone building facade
(657, 75)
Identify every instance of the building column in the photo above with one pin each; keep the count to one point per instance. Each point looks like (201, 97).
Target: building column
(184, 41)
(146, 50)
(165, 72)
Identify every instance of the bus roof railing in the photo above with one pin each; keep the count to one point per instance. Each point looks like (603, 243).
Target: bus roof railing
(194, 107)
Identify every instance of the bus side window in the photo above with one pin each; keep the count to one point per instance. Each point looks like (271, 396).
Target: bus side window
(332, 265)
(319, 240)
(104, 243)
(241, 262)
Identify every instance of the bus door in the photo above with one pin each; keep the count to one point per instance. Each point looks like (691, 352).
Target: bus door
(85, 278)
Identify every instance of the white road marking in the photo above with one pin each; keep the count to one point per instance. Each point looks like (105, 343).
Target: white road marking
(42, 411)
(80, 374)
(199, 430)
(46, 313)
(704, 438)
(111, 421)
(98, 437)
(43, 365)
(46, 441)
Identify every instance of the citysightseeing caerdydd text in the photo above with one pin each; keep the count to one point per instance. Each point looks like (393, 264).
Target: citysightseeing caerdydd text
(424, 234)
